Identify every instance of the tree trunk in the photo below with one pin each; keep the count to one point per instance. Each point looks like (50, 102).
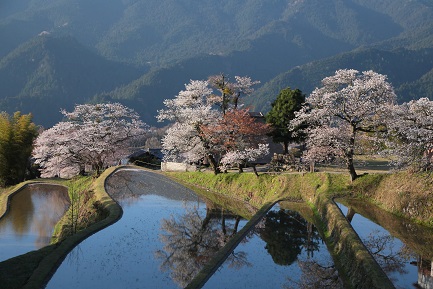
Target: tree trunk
(350, 213)
(349, 155)
(255, 170)
(312, 166)
(351, 168)
(240, 167)
(207, 219)
(213, 164)
(223, 223)
(286, 147)
(236, 225)
(236, 100)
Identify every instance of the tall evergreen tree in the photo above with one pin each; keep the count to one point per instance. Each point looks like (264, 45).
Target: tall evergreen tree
(282, 113)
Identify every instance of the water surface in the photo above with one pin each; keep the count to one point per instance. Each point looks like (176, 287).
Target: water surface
(402, 248)
(30, 221)
(165, 236)
(283, 251)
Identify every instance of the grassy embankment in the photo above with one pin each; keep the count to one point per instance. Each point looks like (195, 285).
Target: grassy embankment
(404, 194)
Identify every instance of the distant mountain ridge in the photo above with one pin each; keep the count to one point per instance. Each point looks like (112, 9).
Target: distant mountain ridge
(47, 73)
(102, 51)
(158, 31)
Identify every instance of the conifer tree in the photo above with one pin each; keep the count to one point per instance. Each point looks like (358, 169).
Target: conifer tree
(282, 113)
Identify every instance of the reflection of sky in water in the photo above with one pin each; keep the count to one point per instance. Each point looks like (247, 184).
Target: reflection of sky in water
(30, 221)
(260, 269)
(366, 229)
(123, 255)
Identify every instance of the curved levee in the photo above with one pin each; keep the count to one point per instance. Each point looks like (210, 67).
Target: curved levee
(49, 264)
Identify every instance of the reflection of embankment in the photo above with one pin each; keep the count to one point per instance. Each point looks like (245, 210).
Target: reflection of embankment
(315, 271)
(418, 238)
(394, 257)
(33, 213)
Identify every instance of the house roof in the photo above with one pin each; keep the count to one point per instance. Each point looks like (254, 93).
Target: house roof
(256, 114)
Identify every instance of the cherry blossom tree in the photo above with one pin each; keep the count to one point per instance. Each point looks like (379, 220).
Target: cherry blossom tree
(243, 157)
(190, 109)
(347, 105)
(410, 129)
(94, 136)
(195, 112)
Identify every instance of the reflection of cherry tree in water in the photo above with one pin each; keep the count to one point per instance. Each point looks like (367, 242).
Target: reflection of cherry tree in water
(123, 187)
(286, 234)
(191, 240)
(382, 246)
(316, 275)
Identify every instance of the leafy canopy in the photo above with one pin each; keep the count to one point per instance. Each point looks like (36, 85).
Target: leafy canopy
(282, 113)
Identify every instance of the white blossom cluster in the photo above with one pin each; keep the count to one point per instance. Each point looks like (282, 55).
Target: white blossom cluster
(190, 109)
(94, 136)
(240, 157)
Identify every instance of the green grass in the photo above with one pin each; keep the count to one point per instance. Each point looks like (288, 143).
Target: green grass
(266, 187)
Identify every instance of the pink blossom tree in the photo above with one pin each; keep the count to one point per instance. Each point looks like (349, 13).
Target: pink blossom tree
(93, 136)
(347, 105)
(194, 110)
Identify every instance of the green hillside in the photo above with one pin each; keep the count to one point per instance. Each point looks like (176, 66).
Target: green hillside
(161, 31)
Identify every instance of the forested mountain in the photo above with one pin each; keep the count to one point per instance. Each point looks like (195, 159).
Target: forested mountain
(409, 71)
(83, 43)
(46, 74)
